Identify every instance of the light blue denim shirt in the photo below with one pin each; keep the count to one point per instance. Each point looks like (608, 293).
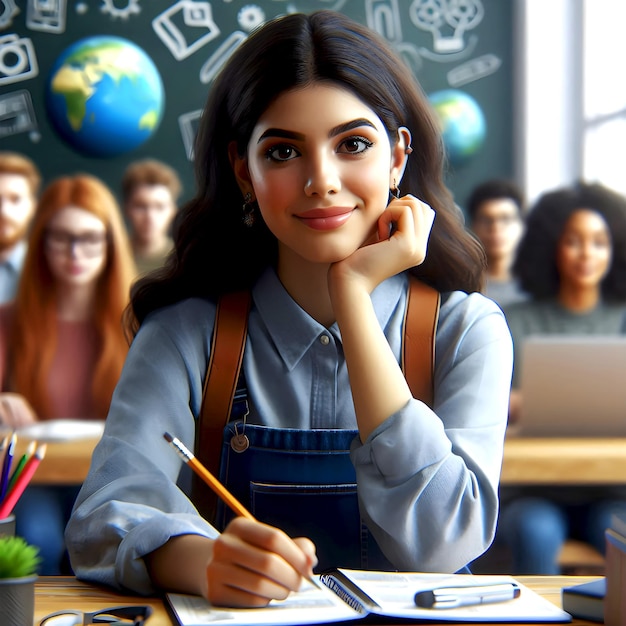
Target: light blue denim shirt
(427, 479)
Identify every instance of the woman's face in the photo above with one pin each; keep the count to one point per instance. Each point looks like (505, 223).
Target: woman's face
(75, 247)
(320, 165)
(584, 250)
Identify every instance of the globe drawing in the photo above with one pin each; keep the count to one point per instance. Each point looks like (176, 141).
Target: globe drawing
(105, 96)
(462, 123)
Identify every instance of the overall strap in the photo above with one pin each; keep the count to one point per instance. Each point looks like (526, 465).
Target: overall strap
(227, 347)
(418, 343)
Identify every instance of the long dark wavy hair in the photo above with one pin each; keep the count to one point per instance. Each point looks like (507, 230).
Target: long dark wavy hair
(214, 252)
(535, 262)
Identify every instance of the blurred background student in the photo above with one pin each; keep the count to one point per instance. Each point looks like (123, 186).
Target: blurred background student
(496, 216)
(572, 260)
(150, 192)
(62, 343)
(19, 185)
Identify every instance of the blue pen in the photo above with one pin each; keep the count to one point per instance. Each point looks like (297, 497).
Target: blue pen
(6, 466)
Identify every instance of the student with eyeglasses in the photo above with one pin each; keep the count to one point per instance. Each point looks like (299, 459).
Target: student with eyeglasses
(496, 215)
(62, 343)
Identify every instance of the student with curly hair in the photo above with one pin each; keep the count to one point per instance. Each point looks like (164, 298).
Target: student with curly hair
(572, 260)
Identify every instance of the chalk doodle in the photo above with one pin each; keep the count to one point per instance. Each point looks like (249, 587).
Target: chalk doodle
(132, 8)
(17, 59)
(17, 115)
(8, 10)
(447, 21)
(46, 15)
(186, 27)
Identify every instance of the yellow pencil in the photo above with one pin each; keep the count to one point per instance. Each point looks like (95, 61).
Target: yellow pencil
(189, 458)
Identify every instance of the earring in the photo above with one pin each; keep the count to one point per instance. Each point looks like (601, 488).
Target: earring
(395, 190)
(408, 150)
(248, 210)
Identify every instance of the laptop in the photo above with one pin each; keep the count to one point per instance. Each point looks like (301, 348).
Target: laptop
(573, 386)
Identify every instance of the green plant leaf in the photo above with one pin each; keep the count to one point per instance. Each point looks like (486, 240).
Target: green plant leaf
(17, 558)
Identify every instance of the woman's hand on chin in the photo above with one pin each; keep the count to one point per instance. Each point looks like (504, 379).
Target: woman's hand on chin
(403, 233)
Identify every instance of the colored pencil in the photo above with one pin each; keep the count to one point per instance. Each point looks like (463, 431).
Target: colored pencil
(20, 464)
(22, 481)
(189, 458)
(6, 466)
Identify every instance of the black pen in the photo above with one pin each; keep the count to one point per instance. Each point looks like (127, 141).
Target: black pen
(453, 597)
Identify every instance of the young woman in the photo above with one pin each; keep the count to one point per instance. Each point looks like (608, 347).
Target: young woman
(310, 125)
(572, 260)
(63, 344)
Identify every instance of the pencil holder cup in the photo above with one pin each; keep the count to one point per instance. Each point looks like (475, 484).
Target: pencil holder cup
(17, 599)
(7, 526)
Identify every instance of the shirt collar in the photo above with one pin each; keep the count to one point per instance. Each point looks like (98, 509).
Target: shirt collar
(293, 330)
(15, 260)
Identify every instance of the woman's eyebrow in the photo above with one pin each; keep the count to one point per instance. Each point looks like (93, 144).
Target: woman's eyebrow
(337, 130)
(281, 132)
(342, 128)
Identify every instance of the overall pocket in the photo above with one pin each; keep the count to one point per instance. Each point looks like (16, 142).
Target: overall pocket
(303, 482)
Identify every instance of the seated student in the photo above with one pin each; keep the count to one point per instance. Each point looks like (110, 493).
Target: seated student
(572, 260)
(150, 191)
(19, 185)
(61, 341)
(495, 209)
(306, 131)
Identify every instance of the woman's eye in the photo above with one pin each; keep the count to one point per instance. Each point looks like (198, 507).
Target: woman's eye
(281, 152)
(355, 145)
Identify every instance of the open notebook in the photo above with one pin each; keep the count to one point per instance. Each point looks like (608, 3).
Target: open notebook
(354, 594)
(573, 386)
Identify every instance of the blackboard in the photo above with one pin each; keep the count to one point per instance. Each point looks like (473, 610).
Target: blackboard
(464, 45)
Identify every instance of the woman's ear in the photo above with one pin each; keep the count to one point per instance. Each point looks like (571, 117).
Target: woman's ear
(240, 169)
(400, 152)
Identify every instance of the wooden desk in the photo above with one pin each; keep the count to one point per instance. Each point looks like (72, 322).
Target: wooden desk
(57, 593)
(526, 462)
(559, 461)
(65, 463)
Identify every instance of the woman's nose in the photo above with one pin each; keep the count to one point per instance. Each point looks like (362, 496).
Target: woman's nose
(323, 178)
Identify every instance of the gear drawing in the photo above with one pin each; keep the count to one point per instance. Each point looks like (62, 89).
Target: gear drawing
(132, 6)
(9, 11)
(250, 16)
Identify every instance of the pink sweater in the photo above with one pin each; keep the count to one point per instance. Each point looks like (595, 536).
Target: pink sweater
(72, 370)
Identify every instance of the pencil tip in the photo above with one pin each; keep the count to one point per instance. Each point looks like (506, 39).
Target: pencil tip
(168, 437)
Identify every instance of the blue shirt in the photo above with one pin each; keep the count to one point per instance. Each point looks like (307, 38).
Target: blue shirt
(427, 479)
(10, 270)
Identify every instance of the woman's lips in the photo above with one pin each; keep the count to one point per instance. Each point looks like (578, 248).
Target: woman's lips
(326, 219)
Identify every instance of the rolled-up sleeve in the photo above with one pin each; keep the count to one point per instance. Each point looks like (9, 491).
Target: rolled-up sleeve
(428, 479)
(130, 503)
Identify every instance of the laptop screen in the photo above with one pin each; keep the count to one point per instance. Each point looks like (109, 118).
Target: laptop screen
(573, 386)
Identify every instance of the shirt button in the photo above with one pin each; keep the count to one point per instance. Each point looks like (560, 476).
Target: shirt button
(325, 339)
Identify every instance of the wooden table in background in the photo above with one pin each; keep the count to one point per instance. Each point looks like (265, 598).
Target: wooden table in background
(59, 593)
(558, 461)
(65, 463)
(550, 461)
